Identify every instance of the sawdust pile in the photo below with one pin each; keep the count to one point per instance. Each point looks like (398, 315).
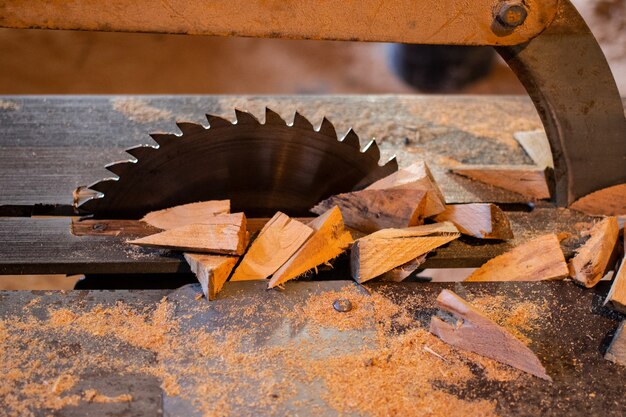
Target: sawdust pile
(139, 111)
(394, 367)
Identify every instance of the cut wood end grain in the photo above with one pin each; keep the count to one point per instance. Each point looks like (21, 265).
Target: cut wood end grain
(609, 201)
(537, 146)
(329, 239)
(594, 258)
(183, 215)
(536, 260)
(481, 220)
(527, 180)
(212, 271)
(477, 333)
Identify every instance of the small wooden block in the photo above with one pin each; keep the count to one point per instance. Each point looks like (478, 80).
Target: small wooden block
(194, 213)
(372, 210)
(279, 239)
(476, 333)
(617, 350)
(329, 239)
(537, 146)
(228, 238)
(527, 180)
(415, 177)
(593, 259)
(387, 249)
(481, 220)
(536, 260)
(606, 202)
(212, 271)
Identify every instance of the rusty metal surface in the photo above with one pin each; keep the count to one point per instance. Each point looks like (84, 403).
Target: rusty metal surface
(409, 21)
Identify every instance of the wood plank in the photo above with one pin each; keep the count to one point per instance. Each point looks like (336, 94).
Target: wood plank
(617, 350)
(527, 180)
(484, 221)
(212, 271)
(186, 214)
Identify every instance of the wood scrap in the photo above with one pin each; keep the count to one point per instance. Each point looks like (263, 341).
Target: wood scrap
(609, 201)
(402, 272)
(476, 333)
(212, 271)
(329, 239)
(193, 213)
(527, 180)
(539, 259)
(372, 210)
(481, 220)
(617, 349)
(416, 176)
(593, 259)
(277, 241)
(375, 254)
(225, 238)
(616, 298)
(537, 146)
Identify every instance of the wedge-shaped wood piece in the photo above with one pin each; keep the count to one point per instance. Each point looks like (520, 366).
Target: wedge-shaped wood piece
(372, 210)
(539, 259)
(212, 271)
(277, 241)
(481, 220)
(528, 180)
(193, 213)
(609, 201)
(536, 145)
(617, 349)
(479, 334)
(415, 177)
(329, 239)
(386, 249)
(593, 259)
(228, 238)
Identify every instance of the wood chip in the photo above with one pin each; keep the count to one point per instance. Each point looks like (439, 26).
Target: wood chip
(415, 177)
(194, 213)
(594, 258)
(537, 146)
(617, 349)
(279, 239)
(527, 180)
(477, 333)
(404, 271)
(212, 271)
(329, 239)
(481, 220)
(375, 254)
(372, 210)
(616, 298)
(536, 260)
(225, 238)
(609, 201)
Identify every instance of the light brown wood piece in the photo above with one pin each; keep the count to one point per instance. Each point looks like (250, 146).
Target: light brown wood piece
(194, 213)
(329, 239)
(528, 180)
(212, 271)
(415, 177)
(279, 239)
(539, 259)
(226, 238)
(372, 210)
(481, 220)
(387, 249)
(593, 259)
(609, 201)
(476, 333)
(616, 298)
(537, 146)
(617, 349)
(402, 272)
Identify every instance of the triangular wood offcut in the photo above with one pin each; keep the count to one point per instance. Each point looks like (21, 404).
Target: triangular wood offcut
(609, 201)
(481, 220)
(212, 271)
(372, 210)
(536, 260)
(476, 333)
(527, 180)
(387, 249)
(279, 239)
(617, 349)
(416, 176)
(194, 213)
(537, 146)
(329, 239)
(228, 238)
(594, 258)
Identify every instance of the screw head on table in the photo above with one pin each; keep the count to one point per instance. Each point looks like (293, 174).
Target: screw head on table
(99, 227)
(511, 13)
(342, 305)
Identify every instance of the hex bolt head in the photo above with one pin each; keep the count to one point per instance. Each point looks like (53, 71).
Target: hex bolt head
(511, 14)
(342, 305)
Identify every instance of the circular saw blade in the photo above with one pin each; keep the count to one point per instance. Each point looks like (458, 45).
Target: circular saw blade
(261, 168)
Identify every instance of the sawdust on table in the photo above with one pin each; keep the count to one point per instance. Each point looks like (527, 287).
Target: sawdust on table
(139, 110)
(400, 372)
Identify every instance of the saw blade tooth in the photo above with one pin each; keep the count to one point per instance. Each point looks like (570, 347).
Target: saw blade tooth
(371, 149)
(301, 122)
(352, 139)
(163, 139)
(391, 164)
(104, 185)
(245, 118)
(217, 122)
(326, 128)
(121, 167)
(189, 128)
(140, 151)
(273, 118)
